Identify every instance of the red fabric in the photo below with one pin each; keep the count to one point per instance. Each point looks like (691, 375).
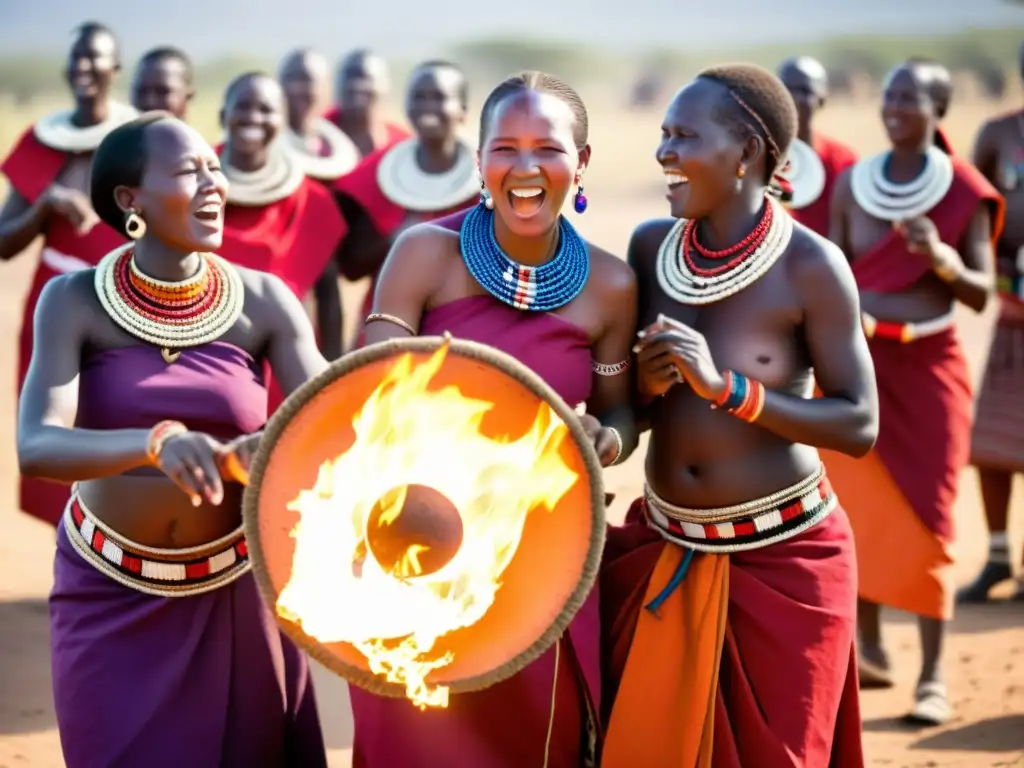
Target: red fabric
(31, 167)
(924, 388)
(395, 132)
(787, 690)
(836, 158)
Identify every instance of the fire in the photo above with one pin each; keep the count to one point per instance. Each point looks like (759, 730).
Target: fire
(409, 436)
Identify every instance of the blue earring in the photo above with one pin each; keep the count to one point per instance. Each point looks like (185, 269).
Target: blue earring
(580, 201)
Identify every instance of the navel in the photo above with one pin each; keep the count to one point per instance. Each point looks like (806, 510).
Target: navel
(763, 359)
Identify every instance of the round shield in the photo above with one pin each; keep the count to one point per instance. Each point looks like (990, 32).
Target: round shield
(425, 517)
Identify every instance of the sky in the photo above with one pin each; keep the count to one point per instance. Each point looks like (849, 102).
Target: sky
(210, 28)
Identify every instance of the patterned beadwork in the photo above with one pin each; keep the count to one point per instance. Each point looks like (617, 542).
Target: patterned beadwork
(539, 289)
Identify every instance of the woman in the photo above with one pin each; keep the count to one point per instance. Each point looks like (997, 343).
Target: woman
(277, 219)
(163, 81)
(728, 597)
(997, 444)
(48, 171)
(417, 180)
(533, 152)
(362, 83)
(815, 160)
(917, 225)
(163, 653)
(326, 154)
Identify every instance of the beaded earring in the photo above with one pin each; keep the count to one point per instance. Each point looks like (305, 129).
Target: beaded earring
(134, 225)
(740, 173)
(580, 201)
(485, 197)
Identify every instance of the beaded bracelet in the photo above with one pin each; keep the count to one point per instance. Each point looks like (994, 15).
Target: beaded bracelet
(742, 397)
(618, 444)
(159, 435)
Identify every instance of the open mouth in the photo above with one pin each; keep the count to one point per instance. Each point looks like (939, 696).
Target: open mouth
(526, 201)
(675, 179)
(209, 213)
(428, 121)
(250, 133)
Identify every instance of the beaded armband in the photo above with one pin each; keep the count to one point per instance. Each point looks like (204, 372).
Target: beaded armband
(386, 318)
(743, 397)
(159, 435)
(604, 369)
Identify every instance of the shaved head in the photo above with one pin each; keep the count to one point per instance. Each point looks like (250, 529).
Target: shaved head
(806, 67)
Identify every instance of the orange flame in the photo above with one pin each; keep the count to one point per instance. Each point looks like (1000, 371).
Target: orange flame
(408, 435)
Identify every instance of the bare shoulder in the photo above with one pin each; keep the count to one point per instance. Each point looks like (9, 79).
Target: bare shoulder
(817, 267)
(428, 244)
(645, 242)
(613, 277)
(263, 287)
(71, 297)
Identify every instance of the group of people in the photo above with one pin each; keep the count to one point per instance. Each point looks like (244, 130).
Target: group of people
(767, 333)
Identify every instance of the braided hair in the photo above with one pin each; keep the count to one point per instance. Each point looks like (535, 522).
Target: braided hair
(540, 83)
(757, 103)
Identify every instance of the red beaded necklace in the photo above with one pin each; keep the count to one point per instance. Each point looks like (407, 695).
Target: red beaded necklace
(168, 303)
(735, 254)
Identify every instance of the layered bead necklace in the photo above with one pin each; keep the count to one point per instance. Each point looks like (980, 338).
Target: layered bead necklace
(170, 315)
(805, 172)
(738, 267)
(540, 289)
(889, 201)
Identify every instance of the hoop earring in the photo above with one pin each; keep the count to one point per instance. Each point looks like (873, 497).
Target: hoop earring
(579, 202)
(134, 226)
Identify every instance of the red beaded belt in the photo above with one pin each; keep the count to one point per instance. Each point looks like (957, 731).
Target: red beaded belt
(751, 525)
(904, 332)
(162, 572)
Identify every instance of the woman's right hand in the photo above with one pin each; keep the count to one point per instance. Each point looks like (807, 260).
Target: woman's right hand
(72, 205)
(656, 368)
(190, 460)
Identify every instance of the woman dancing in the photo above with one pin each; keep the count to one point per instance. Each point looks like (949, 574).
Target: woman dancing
(326, 154)
(417, 180)
(48, 171)
(576, 333)
(815, 160)
(917, 225)
(277, 219)
(729, 597)
(145, 394)
(997, 445)
(163, 82)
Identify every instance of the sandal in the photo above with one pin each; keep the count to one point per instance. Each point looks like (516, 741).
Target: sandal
(873, 675)
(931, 705)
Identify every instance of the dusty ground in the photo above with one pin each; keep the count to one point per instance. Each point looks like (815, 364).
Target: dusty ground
(985, 650)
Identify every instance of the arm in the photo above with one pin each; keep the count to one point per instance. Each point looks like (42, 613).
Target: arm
(972, 274)
(21, 223)
(364, 249)
(329, 316)
(611, 396)
(291, 345)
(838, 217)
(985, 154)
(845, 417)
(49, 446)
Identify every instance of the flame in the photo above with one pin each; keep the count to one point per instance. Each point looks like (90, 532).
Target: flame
(409, 435)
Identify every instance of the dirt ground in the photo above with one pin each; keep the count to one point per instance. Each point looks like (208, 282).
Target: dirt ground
(985, 650)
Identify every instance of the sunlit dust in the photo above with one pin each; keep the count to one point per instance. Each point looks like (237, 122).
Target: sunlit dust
(404, 538)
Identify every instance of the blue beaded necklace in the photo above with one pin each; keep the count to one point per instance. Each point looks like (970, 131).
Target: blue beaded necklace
(539, 289)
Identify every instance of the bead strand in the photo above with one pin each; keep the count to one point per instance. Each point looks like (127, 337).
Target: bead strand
(743, 397)
(158, 437)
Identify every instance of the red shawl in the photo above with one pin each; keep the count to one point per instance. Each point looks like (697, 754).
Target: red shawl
(31, 167)
(836, 158)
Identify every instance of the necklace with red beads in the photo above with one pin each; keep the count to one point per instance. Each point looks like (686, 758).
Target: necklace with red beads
(170, 315)
(737, 267)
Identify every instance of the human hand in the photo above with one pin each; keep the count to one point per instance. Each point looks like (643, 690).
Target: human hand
(605, 439)
(668, 345)
(190, 459)
(235, 459)
(72, 205)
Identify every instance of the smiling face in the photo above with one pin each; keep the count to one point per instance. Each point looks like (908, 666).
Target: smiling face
(305, 80)
(183, 191)
(92, 65)
(908, 111)
(699, 154)
(162, 84)
(435, 103)
(253, 114)
(529, 161)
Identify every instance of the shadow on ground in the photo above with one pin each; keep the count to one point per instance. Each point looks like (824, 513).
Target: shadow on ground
(27, 706)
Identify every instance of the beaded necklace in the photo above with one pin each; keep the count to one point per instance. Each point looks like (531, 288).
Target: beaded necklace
(805, 172)
(170, 315)
(684, 281)
(889, 201)
(540, 289)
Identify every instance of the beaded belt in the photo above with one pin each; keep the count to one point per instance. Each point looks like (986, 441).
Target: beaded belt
(752, 525)
(904, 332)
(160, 572)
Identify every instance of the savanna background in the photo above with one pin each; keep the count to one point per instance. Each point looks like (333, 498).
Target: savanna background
(625, 59)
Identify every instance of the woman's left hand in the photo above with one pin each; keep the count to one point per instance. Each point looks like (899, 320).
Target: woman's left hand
(921, 234)
(235, 458)
(689, 350)
(603, 438)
